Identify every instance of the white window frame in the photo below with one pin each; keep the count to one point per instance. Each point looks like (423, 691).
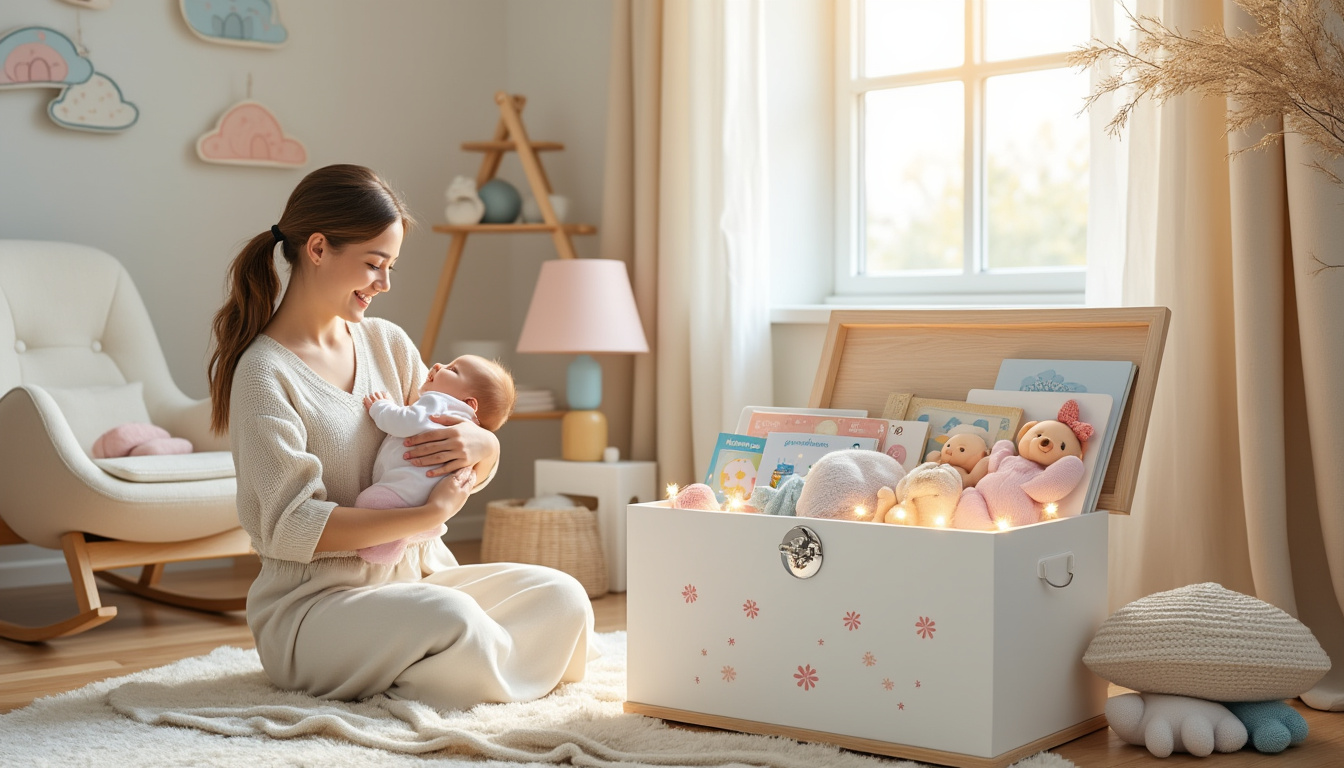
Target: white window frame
(974, 285)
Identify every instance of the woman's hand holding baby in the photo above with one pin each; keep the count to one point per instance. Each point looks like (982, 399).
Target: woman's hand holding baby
(451, 493)
(459, 445)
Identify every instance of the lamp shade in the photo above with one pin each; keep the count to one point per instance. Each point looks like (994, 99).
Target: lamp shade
(583, 306)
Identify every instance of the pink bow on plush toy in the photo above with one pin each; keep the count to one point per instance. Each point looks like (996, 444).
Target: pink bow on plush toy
(1069, 416)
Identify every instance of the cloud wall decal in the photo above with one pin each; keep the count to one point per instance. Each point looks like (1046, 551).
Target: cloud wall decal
(235, 22)
(249, 134)
(93, 105)
(40, 57)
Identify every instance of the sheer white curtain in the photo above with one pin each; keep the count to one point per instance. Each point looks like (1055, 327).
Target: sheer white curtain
(688, 108)
(1241, 480)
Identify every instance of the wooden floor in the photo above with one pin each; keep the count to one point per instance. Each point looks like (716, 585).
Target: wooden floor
(146, 634)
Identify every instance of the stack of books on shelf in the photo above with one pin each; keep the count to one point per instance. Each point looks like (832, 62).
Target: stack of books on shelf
(532, 400)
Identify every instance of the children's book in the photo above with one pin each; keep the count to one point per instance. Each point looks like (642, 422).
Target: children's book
(745, 418)
(796, 452)
(763, 423)
(1095, 409)
(946, 417)
(905, 442)
(1109, 377)
(733, 467)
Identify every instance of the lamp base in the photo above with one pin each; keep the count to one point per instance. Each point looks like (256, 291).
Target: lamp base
(583, 436)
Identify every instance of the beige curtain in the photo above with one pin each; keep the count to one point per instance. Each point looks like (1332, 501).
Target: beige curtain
(1243, 474)
(685, 195)
(630, 203)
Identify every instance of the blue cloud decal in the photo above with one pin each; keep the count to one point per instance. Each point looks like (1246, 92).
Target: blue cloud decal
(238, 22)
(40, 57)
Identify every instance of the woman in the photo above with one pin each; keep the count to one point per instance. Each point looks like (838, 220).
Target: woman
(288, 382)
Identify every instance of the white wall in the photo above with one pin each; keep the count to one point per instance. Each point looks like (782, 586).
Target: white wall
(394, 86)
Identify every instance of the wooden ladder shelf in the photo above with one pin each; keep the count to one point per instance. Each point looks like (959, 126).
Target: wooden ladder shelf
(510, 136)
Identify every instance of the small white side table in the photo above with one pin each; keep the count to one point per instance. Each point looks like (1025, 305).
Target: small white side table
(614, 484)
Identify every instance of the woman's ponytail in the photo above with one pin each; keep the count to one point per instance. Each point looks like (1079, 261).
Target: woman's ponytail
(254, 287)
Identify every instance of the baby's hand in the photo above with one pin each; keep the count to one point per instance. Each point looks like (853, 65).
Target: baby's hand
(375, 396)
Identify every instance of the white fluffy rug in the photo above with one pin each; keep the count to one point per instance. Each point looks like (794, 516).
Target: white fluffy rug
(220, 710)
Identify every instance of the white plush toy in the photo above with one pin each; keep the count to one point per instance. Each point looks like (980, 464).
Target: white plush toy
(1166, 724)
(844, 485)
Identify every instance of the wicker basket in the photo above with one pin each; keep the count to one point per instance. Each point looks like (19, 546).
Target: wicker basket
(565, 539)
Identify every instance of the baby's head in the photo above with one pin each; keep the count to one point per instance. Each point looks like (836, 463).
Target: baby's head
(483, 384)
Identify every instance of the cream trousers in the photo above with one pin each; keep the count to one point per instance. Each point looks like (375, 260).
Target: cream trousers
(451, 636)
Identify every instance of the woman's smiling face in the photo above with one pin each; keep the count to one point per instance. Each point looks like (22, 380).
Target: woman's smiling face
(360, 271)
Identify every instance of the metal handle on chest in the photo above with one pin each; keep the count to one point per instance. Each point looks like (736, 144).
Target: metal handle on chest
(800, 551)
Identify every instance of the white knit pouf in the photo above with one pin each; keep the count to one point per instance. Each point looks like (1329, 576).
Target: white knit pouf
(1207, 642)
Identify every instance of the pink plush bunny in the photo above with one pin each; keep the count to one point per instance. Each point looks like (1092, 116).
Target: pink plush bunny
(1049, 466)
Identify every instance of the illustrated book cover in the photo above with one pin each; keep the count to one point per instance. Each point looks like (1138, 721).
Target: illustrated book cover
(796, 452)
(733, 466)
(762, 423)
(745, 418)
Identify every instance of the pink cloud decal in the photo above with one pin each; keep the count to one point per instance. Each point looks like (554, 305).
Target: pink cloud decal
(249, 134)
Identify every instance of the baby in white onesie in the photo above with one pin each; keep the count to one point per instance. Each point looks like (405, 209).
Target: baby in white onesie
(471, 388)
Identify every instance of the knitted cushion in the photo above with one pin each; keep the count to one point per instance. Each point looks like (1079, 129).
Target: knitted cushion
(1207, 642)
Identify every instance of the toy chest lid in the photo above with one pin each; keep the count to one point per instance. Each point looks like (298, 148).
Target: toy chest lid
(944, 354)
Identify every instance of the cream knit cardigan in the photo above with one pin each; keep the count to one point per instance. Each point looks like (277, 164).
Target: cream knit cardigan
(301, 445)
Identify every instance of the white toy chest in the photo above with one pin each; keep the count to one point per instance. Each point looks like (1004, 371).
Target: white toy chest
(955, 647)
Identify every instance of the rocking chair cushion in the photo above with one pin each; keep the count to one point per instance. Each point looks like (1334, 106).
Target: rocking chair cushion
(91, 411)
(170, 468)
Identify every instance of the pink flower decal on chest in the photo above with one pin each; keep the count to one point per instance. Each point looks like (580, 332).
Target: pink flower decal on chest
(806, 677)
(750, 609)
(924, 627)
(851, 621)
(688, 594)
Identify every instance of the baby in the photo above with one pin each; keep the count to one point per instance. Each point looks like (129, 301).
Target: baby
(471, 388)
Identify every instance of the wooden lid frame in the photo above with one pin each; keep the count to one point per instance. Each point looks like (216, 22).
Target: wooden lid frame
(946, 353)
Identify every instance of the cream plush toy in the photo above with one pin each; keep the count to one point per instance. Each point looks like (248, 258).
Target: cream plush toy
(926, 496)
(1048, 467)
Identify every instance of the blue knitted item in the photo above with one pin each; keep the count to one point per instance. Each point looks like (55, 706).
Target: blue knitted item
(1271, 725)
(778, 501)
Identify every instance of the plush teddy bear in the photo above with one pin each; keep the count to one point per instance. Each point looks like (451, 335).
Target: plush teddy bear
(138, 440)
(1048, 467)
(967, 451)
(844, 485)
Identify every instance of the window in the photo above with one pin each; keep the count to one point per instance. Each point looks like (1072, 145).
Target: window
(962, 163)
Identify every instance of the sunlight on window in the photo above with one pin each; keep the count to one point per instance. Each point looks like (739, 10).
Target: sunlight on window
(1017, 28)
(903, 36)
(1036, 170)
(913, 178)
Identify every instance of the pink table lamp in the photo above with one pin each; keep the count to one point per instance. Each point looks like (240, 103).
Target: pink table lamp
(583, 307)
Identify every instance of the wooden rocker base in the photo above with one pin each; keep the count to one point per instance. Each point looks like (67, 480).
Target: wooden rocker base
(71, 626)
(171, 597)
(85, 558)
